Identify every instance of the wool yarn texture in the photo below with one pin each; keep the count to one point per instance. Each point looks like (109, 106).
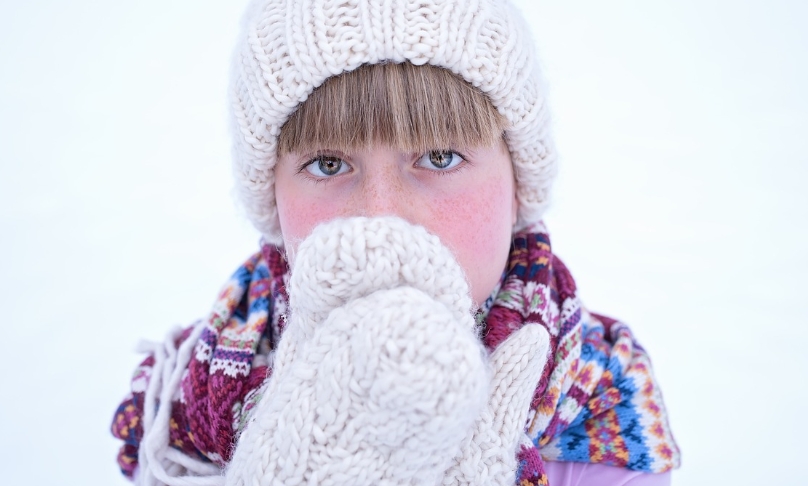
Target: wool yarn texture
(380, 373)
(288, 48)
(284, 383)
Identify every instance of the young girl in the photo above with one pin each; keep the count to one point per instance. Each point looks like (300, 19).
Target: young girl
(405, 320)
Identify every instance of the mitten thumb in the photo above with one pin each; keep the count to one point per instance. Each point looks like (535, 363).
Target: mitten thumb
(489, 452)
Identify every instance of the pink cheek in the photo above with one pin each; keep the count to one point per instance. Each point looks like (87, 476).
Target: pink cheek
(299, 216)
(476, 224)
(477, 227)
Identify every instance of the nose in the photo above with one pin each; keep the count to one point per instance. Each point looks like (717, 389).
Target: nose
(384, 192)
(383, 197)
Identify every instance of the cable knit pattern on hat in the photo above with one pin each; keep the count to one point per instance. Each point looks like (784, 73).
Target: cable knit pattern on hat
(290, 47)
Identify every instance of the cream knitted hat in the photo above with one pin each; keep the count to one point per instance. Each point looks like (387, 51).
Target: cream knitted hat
(289, 47)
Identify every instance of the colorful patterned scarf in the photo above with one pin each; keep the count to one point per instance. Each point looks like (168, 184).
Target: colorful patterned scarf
(597, 401)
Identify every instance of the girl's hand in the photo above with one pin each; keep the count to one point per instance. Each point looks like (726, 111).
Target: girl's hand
(379, 375)
(488, 454)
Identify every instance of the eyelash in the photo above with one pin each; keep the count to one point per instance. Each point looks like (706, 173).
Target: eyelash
(461, 165)
(311, 159)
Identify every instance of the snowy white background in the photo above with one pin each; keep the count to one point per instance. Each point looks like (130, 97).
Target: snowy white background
(680, 208)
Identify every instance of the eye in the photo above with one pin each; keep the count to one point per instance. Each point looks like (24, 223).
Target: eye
(326, 166)
(440, 160)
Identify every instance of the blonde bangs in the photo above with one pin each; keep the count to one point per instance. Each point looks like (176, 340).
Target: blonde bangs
(413, 108)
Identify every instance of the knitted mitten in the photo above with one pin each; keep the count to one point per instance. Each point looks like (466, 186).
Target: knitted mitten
(379, 375)
(488, 454)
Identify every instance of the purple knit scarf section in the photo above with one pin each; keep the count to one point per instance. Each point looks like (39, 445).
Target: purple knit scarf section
(597, 400)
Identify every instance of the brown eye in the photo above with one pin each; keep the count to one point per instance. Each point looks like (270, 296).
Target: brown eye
(326, 166)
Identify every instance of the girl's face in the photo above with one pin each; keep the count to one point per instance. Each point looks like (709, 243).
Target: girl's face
(465, 197)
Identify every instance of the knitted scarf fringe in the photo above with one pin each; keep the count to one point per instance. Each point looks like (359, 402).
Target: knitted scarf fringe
(596, 402)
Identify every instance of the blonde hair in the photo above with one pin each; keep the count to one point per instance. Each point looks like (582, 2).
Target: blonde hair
(413, 108)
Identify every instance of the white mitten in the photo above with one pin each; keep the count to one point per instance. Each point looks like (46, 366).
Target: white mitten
(488, 454)
(379, 375)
